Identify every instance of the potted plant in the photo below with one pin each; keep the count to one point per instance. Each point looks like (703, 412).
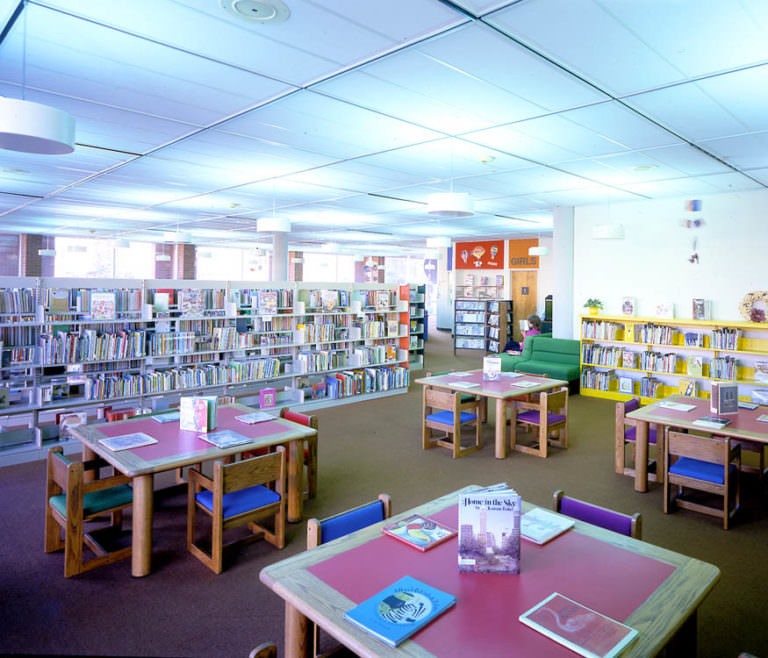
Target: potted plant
(594, 305)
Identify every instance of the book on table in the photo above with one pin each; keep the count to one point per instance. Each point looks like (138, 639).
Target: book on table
(197, 413)
(419, 532)
(539, 525)
(127, 441)
(255, 417)
(400, 610)
(224, 438)
(168, 417)
(491, 368)
(676, 406)
(581, 629)
(712, 422)
(724, 398)
(489, 531)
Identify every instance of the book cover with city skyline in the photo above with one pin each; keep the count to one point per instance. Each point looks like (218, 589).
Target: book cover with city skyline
(489, 531)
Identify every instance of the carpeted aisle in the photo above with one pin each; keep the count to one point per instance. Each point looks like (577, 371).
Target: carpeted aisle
(183, 609)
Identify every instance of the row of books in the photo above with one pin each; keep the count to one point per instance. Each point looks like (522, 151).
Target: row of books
(469, 330)
(19, 336)
(725, 339)
(656, 334)
(601, 356)
(658, 362)
(18, 300)
(92, 346)
(470, 316)
(313, 333)
(465, 342)
(723, 367)
(466, 305)
(275, 323)
(373, 328)
(382, 299)
(100, 304)
(317, 361)
(249, 298)
(599, 380)
(366, 356)
(103, 387)
(649, 387)
(601, 330)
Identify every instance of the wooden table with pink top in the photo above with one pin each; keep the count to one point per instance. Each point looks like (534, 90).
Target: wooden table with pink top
(743, 425)
(655, 591)
(176, 448)
(505, 388)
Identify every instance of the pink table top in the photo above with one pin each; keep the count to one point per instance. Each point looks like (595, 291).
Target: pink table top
(744, 424)
(504, 387)
(177, 447)
(602, 576)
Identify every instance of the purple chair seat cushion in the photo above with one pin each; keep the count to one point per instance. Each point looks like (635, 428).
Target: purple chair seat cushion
(598, 516)
(446, 417)
(631, 435)
(700, 470)
(533, 417)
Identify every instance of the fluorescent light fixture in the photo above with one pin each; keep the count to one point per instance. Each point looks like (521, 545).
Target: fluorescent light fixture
(450, 204)
(608, 232)
(176, 236)
(438, 241)
(162, 258)
(273, 225)
(46, 252)
(538, 251)
(35, 128)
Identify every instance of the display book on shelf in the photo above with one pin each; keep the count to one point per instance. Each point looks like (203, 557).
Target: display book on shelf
(653, 358)
(480, 284)
(417, 329)
(71, 342)
(481, 324)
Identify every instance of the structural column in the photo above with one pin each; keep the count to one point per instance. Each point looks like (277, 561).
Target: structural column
(31, 263)
(562, 271)
(279, 257)
(184, 261)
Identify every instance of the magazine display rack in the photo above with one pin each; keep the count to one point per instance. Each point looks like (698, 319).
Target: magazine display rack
(622, 356)
(417, 331)
(87, 345)
(481, 324)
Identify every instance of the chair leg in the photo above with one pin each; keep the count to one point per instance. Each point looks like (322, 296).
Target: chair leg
(53, 540)
(217, 545)
(312, 467)
(543, 441)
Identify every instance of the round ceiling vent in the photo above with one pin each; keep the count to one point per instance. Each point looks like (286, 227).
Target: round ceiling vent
(258, 11)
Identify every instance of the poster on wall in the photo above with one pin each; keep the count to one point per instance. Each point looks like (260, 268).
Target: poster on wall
(486, 255)
(430, 269)
(518, 254)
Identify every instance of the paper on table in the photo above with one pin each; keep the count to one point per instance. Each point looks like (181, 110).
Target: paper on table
(763, 418)
(465, 384)
(512, 375)
(677, 406)
(525, 383)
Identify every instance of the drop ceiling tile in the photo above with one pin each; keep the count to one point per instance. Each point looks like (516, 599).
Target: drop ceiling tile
(355, 176)
(743, 151)
(469, 79)
(68, 56)
(317, 124)
(481, 7)
(10, 201)
(317, 40)
(760, 175)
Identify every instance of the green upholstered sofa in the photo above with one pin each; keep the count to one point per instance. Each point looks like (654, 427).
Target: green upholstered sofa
(556, 357)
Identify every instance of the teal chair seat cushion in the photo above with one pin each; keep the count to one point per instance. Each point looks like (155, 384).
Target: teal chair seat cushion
(239, 502)
(446, 417)
(700, 470)
(342, 524)
(97, 501)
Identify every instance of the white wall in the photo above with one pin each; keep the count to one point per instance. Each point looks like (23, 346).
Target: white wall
(651, 263)
(545, 284)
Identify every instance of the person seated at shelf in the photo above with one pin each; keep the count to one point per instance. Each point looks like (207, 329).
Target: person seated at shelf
(534, 328)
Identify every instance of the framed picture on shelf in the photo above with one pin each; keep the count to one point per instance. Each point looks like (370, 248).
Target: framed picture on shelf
(700, 309)
(628, 306)
(665, 310)
(626, 385)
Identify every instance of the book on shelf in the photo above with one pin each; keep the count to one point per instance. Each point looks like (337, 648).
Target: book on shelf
(382, 299)
(489, 531)
(581, 629)
(694, 366)
(700, 309)
(103, 306)
(224, 438)
(687, 387)
(266, 302)
(712, 422)
(69, 421)
(191, 302)
(161, 301)
(59, 300)
(397, 612)
(255, 417)
(127, 441)
(491, 368)
(329, 299)
(539, 525)
(629, 359)
(628, 306)
(168, 417)
(626, 385)
(393, 328)
(693, 339)
(665, 310)
(761, 372)
(724, 398)
(197, 413)
(419, 532)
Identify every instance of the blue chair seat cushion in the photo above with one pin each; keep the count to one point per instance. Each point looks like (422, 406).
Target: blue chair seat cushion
(355, 519)
(446, 417)
(700, 470)
(240, 502)
(534, 416)
(96, 502)
(631, 435)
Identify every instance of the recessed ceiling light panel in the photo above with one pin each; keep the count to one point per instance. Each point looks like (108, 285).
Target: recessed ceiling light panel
(257, 11)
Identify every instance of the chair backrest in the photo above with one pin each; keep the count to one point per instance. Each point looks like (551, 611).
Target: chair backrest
(250, 472)
(58, 472)
(704, 448)
(624, 524)
(556, 401)
(296, 417)
(338, 525)
(440, 399)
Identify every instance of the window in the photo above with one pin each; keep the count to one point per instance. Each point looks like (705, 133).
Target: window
(226, 264)
(100, 259)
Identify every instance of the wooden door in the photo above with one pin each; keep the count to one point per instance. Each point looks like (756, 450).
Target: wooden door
(523, 297)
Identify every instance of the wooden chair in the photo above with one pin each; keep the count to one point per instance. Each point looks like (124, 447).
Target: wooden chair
(549, 414)
(754, 447)
(704, 464)
(71, 501)
(266, 650)
(626, 434)
(467, 399)
(236, 496)
(444, 411)
(624, 524)
(310, 448)
(341, 524)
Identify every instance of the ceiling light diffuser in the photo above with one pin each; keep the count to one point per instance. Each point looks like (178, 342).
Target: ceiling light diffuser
(35, 128)
(438, 241)
(273, 225)
(450, 204)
